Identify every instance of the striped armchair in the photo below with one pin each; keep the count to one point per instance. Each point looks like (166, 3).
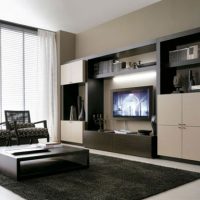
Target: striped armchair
(20, 126)
(4, 135)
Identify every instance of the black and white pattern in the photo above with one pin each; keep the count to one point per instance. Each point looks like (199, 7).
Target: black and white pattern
(4, 134)
(33, 132)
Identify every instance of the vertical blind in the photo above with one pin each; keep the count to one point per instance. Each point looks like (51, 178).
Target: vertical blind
(18, 70)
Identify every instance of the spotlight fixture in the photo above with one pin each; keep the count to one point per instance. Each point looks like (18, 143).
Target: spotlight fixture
(115, 61)
(140, 76)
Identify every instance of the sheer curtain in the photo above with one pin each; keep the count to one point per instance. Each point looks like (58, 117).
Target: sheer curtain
(47, 79)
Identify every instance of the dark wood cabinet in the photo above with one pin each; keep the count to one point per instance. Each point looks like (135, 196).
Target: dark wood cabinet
(133, 144)
(98, 140)
(137, 145)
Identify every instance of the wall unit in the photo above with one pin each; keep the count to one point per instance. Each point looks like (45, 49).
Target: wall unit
(178, 130)
(179, 125)
(72, 78)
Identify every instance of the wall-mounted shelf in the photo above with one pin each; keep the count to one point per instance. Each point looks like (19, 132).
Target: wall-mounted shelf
(191, 63)
(127, 71)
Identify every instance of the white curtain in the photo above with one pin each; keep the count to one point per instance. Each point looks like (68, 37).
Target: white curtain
(48, 84)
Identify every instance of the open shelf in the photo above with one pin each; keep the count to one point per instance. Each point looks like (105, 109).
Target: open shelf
(175, 59)
(126, 71)
(191, 63)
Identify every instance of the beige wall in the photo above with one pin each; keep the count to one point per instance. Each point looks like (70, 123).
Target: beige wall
(66, 45)
(163, 18)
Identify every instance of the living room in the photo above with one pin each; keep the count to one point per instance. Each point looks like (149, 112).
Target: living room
(96, 63)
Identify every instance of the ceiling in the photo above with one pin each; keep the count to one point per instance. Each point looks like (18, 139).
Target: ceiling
(68, 15)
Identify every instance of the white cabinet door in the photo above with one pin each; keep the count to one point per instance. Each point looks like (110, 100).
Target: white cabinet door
(72, 131)
(73, 72)
(175, 140)
(169, 109)
(191, 109)
(78, 71)
(169, 141)
(191, 143)
(66, 75)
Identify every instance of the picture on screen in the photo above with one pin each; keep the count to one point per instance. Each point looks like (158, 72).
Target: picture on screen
(132, 102)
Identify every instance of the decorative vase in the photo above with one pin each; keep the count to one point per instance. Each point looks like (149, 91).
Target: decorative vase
(73, 115)
(81, 116)
(79, 99)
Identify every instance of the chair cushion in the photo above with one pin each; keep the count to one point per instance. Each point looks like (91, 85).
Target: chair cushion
(21, 125)
(33, 132)
(4, 134)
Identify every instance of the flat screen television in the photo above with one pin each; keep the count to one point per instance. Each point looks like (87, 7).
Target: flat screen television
(133, 103)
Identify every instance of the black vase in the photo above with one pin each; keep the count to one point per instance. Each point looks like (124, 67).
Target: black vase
(79, 99)
(81, 116)
(73, 115)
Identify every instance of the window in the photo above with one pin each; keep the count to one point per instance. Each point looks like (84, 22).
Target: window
(18, 70)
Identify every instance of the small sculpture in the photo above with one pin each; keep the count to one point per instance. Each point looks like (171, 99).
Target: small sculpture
(98, 120)
(177, 83)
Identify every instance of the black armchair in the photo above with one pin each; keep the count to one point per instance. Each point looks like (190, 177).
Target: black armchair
(20, 126)
(4, 135)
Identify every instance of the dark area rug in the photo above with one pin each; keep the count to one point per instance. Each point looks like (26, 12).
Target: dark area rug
(106, 179)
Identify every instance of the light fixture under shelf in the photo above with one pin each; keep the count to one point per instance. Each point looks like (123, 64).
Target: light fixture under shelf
(140, 76)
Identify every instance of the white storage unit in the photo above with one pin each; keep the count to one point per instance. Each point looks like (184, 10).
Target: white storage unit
(72, 131)
(73, 72)
(179, 125)
(72, 77)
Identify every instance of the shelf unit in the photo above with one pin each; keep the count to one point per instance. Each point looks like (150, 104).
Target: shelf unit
(166, 71)
(127, 71)
(72, 79)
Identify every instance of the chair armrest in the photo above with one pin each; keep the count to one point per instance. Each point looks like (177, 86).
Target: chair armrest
(43, 121)
(2, 123)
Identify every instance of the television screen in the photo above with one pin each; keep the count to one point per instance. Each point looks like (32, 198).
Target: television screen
(133, 102)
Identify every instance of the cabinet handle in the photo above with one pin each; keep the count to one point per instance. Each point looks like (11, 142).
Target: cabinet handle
(182, 126)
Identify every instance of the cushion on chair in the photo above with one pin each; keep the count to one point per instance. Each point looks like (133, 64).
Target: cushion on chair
(4, 134)
(33, 132)
(21, 125)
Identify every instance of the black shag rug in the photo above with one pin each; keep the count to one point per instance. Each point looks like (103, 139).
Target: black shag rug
(107, 178)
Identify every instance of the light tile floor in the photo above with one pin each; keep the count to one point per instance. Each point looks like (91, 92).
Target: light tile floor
(190, 191)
